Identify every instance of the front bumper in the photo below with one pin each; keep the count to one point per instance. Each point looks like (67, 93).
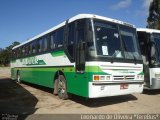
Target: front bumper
(155, 83)
(104, 89)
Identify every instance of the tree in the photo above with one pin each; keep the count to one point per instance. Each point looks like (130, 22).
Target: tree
(1, 50)
(5, 54)
(12, 45)
(153, 19)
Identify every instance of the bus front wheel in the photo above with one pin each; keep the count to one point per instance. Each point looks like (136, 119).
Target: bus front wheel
(62, 88)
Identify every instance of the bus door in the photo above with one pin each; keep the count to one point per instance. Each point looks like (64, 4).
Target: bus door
(144, 39)
(80, 46)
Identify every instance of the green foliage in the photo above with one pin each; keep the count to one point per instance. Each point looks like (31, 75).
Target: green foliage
(153, 19)
(5, 54)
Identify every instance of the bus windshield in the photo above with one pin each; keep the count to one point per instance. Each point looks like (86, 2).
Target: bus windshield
(129, 41)
(113, 40)
(156, 37)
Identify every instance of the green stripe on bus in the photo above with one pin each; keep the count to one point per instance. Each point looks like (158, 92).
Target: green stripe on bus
(95, 69)
(45, 77)
(141, 73)
(57, 53)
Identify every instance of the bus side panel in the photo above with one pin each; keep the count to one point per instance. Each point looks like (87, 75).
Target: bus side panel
(77, 83)
(40, 76)
(46, 77)
(29, 75)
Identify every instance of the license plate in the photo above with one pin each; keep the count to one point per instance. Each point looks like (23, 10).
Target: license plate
(123, 86)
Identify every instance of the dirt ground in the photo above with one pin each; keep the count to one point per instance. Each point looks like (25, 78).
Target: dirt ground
(31, 99)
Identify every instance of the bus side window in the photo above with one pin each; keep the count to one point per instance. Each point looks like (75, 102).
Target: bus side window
(27, 49)
(80, 31)
(19, 52)
(23, 50)
(142, 37)
(13, 54)
(16, 51)
(60, 37)
(71, 40)
(34, 47)
(53, 39)
(30, 49)
(39, 45)
(45, 43)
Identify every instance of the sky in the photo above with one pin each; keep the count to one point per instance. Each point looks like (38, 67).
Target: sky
(24, 19)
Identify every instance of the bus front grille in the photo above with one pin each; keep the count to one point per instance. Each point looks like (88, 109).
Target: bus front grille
(127, 77)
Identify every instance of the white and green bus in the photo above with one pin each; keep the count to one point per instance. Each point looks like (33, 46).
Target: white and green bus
(149, 40)
(87, 55)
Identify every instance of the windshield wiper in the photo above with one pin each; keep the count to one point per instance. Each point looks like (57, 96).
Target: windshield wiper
(135, 60)
(114, 55)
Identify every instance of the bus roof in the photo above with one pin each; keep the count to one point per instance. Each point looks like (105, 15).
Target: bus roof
(148, 30)
(79, 16)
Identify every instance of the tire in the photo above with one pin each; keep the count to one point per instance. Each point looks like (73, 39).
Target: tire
(18, 77)
(62, 88)
(55, 91)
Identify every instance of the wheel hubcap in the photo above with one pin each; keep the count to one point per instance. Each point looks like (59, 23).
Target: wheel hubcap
(61, 88)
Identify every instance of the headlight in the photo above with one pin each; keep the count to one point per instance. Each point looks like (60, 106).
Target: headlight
(108, 77)
(101, 77)
(140, 77)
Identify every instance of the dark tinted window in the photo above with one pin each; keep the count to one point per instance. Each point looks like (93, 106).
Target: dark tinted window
(142, 38)
(27, 49)
(53, 39)
(80, 31)
(45, 43)
(40, 45)
(30, 48)
(130, 42)
(23, 51)
(13, 54)
(34, 50)
(59, 38)
(107, 39)
(71, 39)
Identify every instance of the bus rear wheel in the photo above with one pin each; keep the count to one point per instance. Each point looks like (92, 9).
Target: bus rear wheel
(62, 88)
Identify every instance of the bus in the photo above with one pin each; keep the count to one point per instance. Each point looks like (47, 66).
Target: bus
(149, 40)
(87, 55)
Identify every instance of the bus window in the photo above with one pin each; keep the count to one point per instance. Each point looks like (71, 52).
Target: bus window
(30, 49)
(20, 52)
(34, 47)
(71, 39)
(13, 54)
(23, 50)
(27, 49)
(45, 43)
(80, 31)
(59, 40)
(39, 45)
(53, 39)
(142, 37)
